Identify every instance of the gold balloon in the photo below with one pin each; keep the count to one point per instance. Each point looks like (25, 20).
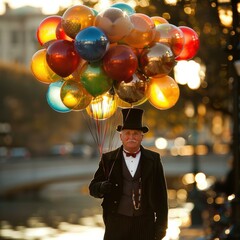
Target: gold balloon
(41, 69)
(102, 107)
(163, 93)
(158, 20)
(74, 96)
(133, 91)
(77, 18)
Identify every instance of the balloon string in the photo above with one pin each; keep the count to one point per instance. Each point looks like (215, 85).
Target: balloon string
(91, 127)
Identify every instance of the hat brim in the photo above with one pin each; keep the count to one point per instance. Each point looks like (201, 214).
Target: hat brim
(143, 129)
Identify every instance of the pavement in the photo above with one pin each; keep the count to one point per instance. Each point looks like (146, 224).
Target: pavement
(191, 233)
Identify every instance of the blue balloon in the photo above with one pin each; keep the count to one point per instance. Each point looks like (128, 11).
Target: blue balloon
(91, 43)
(125, 8)
(54, 99)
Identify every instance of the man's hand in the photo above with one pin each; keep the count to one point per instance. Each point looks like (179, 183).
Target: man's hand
(105, 187)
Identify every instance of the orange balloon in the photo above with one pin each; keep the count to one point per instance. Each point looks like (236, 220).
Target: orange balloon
(46, 30)
(158, 20)
(74, 96)
(77, 18)
(114, 23)
(163, 93)
(41, 69)
(102, 107)
(143, 31)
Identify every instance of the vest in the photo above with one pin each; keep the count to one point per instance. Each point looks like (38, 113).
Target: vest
(130, 185)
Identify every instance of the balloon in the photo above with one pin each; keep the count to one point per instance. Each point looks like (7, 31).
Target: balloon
(125, 8)
(191, 44)
(157, 60)
(94, 79)
(46, 30)
(133, 91)
(74, 96)
(77, 18)
(142, 33)
(40, 69)
(163, 93)
(60, 34)
(123, 104)
(75, 76)
(114, 23)
(62, 57)
(102, 107)
(120, 62)
(91, 44)
(54, 99)
(171, 35)
(158, 20)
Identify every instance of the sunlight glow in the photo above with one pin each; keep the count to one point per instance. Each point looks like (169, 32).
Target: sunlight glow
(48, 7)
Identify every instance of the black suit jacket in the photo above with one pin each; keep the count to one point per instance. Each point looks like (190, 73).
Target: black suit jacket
(154, 189)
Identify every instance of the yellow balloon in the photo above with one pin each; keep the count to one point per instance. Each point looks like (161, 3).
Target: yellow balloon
(40, 68)
(74, 96)
(163, 93)
(102, 107)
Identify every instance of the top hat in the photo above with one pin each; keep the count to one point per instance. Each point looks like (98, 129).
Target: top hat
(132, 119)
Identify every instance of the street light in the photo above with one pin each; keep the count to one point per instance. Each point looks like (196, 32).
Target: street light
(192, 73)
(228, 11)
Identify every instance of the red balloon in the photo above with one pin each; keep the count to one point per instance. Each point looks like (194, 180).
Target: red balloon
(46, 30)
(191, 44)
(120, 62)
(62, 57)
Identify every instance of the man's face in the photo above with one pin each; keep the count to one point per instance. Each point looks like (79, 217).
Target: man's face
(131, 139)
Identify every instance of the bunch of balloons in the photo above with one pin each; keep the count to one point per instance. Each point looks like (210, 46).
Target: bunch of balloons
(114, 58)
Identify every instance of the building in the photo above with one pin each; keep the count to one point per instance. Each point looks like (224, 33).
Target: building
(18, 40)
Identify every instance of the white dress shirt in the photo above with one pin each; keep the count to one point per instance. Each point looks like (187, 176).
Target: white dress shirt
(132, 163)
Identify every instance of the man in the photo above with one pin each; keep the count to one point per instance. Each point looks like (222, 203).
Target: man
(132, 184)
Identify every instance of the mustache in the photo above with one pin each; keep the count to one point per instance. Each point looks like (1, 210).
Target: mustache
(133, 141)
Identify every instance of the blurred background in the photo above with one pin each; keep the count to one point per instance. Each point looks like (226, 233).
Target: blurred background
(47, 158)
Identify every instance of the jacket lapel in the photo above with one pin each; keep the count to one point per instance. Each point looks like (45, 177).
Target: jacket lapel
(146, 164)
(116, 172)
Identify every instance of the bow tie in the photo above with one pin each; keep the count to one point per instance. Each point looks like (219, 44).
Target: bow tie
(128, 154)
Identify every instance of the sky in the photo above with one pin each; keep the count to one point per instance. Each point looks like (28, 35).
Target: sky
(48, 6)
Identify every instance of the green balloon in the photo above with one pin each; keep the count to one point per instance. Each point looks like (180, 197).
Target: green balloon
(94, 79)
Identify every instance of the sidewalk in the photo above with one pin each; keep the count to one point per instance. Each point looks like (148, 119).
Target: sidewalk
(191, 233)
